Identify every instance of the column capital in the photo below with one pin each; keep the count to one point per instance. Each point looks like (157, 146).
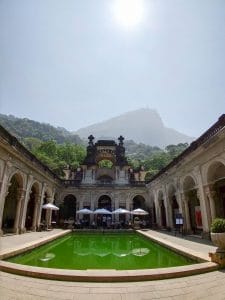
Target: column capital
(44, 184)
(9, 163)
(207, 189)
(184, 198)
(21, 193)
(30, 177)
(38, 198)
(210, 191)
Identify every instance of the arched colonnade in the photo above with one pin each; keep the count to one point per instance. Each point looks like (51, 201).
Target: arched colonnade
(21, 199)
(198, 196)
(101, 199)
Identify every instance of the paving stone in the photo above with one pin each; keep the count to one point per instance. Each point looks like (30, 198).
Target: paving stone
(208, 286)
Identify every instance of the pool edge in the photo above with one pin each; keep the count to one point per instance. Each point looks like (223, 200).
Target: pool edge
(103, 275)
(31, 245)
(107, 275)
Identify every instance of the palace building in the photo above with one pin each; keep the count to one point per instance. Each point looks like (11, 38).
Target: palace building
(192, 186)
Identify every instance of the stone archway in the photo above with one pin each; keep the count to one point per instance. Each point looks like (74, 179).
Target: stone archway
(105, 201)
(216, 186)
(12, 205)
(68, 207)
(105, 179)
(194, 213)
(139, 202)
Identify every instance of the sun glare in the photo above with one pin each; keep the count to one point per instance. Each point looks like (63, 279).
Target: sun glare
(128, 13)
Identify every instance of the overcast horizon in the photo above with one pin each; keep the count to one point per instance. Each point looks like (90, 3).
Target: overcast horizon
(75, 63)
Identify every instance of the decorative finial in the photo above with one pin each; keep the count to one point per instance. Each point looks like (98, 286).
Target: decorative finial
(91, 138)
(121, 139)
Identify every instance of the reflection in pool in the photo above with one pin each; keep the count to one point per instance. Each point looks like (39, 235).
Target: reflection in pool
(121, 251)
(47, 257)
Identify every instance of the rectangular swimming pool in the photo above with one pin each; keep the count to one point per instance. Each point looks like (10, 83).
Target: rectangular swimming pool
(120, 251)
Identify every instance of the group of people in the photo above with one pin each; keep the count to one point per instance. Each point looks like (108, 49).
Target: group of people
(104, 221)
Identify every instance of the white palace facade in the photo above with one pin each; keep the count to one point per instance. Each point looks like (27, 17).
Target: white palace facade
(191, 187)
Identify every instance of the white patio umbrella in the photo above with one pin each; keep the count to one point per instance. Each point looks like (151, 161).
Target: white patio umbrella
(139, 212)
(102, 211)
(50, 206)
(85, 211)
(121, 211)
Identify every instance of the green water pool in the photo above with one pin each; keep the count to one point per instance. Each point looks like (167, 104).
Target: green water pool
(82, 251)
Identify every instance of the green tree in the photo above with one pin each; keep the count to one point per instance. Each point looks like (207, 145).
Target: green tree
(105, 163)
(57, 156)
(32, 143)
(175, 150)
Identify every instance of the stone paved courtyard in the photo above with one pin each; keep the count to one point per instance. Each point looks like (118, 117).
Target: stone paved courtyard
(205, 286)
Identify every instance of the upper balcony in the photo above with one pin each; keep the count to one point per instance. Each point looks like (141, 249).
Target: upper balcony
(78, 183)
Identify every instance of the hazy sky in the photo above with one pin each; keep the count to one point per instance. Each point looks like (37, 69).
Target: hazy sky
(71, 63)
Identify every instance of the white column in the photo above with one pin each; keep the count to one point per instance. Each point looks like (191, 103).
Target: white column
(171, 224)
(80, 203)
(20, 200)
(158, 213)
(41, 202)
(116, 202)
(35, 214)
(179, 201)
(92, 206)
(169, 220)
(4, 191)
(24, 205)
(202, 200)
(205, 218)
(181, 206)
(211, 196)
(212, 204)
(186, 213)
(48, 215)
(128, 207)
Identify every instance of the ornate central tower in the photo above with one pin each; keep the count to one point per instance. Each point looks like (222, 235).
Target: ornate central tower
(105, 150)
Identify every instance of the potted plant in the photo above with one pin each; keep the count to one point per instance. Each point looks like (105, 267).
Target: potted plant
(218, 234)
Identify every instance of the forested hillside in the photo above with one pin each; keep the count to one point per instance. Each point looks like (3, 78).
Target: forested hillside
(58, 148)
(26, 128)
(153, 158)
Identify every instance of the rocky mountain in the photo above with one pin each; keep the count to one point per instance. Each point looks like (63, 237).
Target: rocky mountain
(142, 126)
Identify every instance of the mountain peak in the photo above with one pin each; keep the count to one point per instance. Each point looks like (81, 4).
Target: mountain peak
(143, 125)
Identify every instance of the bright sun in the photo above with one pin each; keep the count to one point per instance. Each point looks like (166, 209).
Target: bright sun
(128, 13)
